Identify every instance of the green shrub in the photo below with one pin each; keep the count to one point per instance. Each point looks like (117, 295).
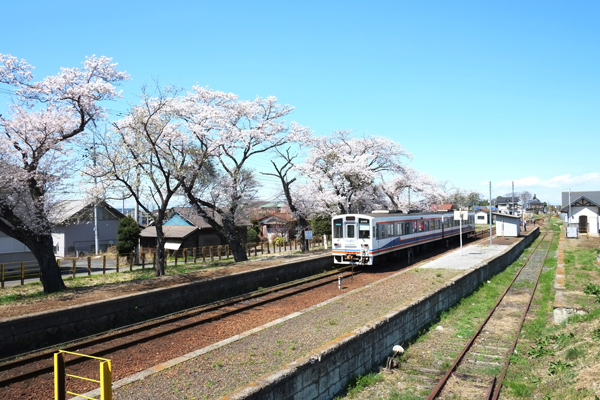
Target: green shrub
(128, 234)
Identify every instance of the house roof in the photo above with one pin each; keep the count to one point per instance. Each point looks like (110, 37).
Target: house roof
(506, 215)
(170, 231)
(190, 215)
(277, 217)
(502, 199)
(590, 195)
(580, 201)
(66, 210)
(484, 210)
(441, 207)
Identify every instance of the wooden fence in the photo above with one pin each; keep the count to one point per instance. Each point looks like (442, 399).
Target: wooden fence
(15, 271)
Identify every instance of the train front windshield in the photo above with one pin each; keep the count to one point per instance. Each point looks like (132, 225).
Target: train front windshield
(338, 229)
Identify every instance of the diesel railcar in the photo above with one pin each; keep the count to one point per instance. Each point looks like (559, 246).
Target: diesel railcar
(367, 238)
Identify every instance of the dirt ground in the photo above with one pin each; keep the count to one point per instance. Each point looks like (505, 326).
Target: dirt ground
(83, 295)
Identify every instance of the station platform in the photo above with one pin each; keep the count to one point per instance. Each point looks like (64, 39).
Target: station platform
(242, 366)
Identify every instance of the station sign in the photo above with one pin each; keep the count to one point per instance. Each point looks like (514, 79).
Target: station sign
(462, 214)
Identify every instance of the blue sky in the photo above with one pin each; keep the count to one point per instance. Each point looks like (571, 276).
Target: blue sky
(476, 91)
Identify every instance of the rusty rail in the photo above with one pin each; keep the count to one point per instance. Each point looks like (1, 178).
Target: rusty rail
(437, 389)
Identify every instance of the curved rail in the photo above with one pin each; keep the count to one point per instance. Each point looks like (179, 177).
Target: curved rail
(437, 389)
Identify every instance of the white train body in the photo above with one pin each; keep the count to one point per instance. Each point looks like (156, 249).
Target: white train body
(363, 238)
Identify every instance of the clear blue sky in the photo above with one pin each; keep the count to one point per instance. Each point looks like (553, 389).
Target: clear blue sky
(477, 91)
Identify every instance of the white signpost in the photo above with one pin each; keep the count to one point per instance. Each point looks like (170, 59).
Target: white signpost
(461, 215)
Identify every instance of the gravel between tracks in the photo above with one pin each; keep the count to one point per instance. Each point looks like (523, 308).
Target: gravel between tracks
(225, 369)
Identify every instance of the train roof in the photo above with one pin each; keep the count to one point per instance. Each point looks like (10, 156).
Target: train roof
(397, 214)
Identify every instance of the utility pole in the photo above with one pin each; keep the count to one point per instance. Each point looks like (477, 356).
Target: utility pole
(491, 241)
(512, 200)
(460, 223)
(96, 241)
(569, 216)
(137, 215)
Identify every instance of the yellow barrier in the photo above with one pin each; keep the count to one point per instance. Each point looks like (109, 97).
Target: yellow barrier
(60, 377)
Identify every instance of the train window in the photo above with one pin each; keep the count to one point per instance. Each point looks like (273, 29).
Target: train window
(399, 229)
(338, 229)
(363, 228)
(382, 231)
(421, 226)
(425, 226)
(437, 224)
(350, 231)
(407, 228)
(390, 230)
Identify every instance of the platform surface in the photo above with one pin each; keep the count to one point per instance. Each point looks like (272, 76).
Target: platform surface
(471, 256)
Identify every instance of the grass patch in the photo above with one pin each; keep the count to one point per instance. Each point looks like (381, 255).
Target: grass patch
(361, 382)
(557, 361)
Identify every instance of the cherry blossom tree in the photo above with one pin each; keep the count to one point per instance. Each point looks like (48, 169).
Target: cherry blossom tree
(147, 154)
(236, 131)
(402, 191)
(284, 171)
(45, 118)
(345, 170)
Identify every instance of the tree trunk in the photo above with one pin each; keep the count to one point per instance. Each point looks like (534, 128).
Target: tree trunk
(302, 225)
(160, 250)
(236, 243)
(237, 249)
(42, 248)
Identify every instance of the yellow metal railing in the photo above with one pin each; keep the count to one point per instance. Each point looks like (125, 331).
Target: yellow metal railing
(60, 377)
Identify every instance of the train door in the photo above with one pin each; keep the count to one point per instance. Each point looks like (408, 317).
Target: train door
(442, 223)
(350, 230)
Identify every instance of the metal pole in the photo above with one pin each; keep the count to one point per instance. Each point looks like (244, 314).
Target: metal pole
(137, 216)
(512, 199)
(569, 216)
(460, 223)
(96, 241)
(409, 199)
(491, 240)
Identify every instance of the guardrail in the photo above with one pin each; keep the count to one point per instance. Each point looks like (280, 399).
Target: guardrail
(60, 377)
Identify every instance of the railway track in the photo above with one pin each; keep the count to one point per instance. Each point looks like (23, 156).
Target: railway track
(482, 364)
(39, 365)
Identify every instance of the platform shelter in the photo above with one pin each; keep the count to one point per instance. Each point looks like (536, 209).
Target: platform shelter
(507, 225)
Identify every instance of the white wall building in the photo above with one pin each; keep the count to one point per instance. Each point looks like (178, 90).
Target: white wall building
(74, 228)
(507, 225)
(482, 216)
(584, 211)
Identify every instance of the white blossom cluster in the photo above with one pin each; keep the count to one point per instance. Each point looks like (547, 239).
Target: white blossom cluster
(44, 118)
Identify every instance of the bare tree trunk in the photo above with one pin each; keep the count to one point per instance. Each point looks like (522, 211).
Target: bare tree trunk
(236, 243)
(160, 246)
(42, 248)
